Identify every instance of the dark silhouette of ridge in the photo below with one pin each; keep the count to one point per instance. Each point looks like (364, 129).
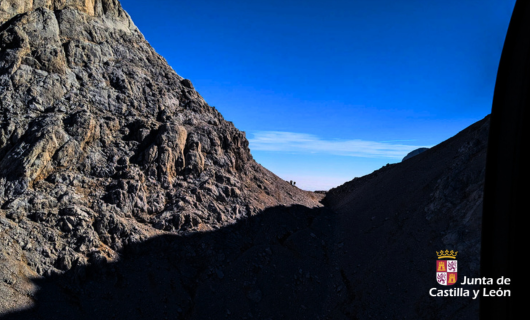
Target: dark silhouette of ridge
(507, 173)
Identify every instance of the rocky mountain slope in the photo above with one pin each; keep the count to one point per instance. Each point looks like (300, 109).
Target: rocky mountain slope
(392, 222)
(112, 167)
(372, 256)
(103, 145)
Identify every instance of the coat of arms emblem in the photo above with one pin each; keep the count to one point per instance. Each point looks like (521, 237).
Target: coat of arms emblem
(446, 270)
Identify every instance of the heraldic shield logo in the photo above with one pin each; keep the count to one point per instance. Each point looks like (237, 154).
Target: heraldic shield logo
(446, 270)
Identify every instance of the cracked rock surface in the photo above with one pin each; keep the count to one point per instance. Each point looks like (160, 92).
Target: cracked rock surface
(102, 144)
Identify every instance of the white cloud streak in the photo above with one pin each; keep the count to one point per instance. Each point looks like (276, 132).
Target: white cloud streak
(308, 143)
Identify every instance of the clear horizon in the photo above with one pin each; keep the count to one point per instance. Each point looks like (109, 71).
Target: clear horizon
(327, 92)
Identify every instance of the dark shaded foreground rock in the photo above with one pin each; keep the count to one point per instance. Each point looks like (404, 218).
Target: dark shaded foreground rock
(103, 145)
(392, 222)
(373, 257)
(270, 266)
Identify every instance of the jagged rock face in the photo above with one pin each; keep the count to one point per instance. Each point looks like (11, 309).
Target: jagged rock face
(99, 8)
(103, 144)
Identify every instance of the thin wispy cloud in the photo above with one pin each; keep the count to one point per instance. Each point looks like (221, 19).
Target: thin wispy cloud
(308, 143)
(408, 140)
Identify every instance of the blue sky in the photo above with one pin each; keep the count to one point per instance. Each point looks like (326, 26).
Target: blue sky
(331, 90)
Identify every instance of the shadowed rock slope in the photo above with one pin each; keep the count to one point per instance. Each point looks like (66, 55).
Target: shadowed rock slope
(103, 145)
(373, 257)
(392, 222)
